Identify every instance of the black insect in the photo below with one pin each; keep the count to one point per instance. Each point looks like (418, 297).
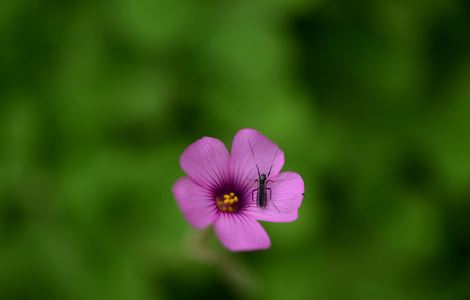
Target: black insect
(263, 180)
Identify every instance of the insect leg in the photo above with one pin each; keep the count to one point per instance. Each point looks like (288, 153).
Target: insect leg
(274, 204)
(270, 198)
(269, 180)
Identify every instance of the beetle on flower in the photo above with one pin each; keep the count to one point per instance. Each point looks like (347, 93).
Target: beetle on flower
(218, 189)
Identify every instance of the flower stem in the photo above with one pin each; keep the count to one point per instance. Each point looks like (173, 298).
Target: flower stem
(232, 271)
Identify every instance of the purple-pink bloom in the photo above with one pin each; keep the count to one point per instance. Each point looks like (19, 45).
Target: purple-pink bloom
(219, 185)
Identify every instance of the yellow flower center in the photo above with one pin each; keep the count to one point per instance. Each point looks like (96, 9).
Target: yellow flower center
(228, 203)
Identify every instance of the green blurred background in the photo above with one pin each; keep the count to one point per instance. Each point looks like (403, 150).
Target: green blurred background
(370, 100)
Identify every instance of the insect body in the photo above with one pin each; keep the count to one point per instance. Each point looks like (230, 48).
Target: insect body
(263, 180)
(261, 196)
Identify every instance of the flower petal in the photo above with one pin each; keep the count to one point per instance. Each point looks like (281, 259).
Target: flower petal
(242, 162)
(196, 202)
(206, 162)
(239, 232)
(287, 193)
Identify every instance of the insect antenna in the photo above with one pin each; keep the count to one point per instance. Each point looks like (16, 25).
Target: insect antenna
(272, 163)
(254, 158)
(269, 173)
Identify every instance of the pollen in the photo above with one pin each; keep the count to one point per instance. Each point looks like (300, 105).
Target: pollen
(228, 202)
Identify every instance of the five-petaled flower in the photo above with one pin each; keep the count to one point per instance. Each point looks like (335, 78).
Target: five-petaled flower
(219, 189)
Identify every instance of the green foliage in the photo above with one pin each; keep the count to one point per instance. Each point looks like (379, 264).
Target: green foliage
(370, 100)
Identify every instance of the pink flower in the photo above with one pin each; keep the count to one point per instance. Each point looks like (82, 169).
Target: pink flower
(218, 189)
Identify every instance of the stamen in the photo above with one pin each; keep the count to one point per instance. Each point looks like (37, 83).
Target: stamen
(229, 202)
